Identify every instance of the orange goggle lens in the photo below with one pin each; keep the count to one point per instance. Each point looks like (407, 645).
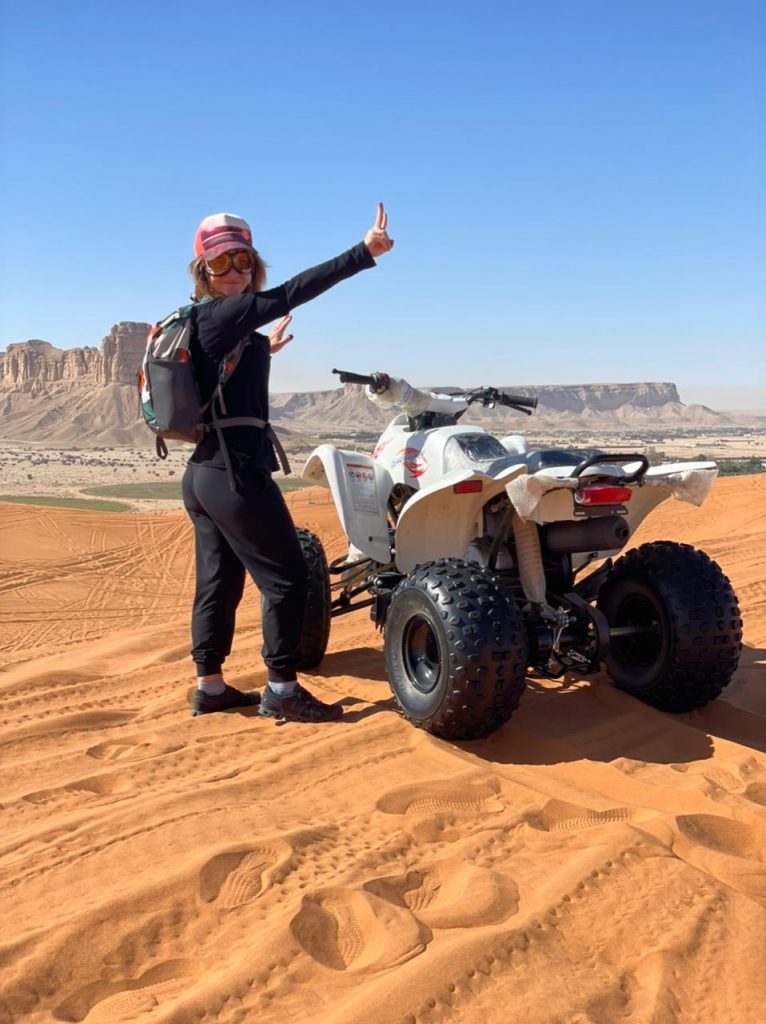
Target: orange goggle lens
(242, 262)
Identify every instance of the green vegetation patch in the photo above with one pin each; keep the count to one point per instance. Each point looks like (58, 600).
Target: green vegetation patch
(738, 467)
(745, 466)
(51, 501)
(163, 491)
(292, 483)
(169, 490)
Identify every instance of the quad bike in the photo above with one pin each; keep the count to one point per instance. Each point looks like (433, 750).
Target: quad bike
(471, 551)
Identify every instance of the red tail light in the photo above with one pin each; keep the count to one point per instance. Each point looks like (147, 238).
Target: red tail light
(599, 494)
(468, 487)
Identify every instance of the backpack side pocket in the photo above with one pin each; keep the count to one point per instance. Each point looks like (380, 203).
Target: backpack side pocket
(175, 399)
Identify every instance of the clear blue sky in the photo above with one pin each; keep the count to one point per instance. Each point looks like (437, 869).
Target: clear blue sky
(577, 189)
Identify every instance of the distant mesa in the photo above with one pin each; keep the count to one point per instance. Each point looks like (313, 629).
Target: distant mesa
(81, 396)
(87, 397)
(28, 363)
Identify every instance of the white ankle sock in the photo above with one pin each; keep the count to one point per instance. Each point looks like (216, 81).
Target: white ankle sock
(211, 685)
(283, 689)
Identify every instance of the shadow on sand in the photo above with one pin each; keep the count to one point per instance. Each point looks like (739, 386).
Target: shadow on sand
(576, 718)
(589, 719)
(361, 663)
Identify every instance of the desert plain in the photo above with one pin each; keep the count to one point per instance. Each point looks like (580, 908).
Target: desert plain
(67, 471)
(595, 861)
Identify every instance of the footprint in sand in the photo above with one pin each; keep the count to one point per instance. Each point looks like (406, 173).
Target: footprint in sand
(100, 785)
(560, 816)
(240, 876)
(756, 792)
(352, 930)
(123, 1006)
(126, 1000)
(734, 776)
(430, 808)
(730, 851)
(133, 748)
(451, 894)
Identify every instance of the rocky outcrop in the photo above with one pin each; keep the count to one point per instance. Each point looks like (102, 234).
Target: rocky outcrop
(27, 365)
(30, 364)
(81, 396)
(576, 398)
(87, 397)
(121, 353)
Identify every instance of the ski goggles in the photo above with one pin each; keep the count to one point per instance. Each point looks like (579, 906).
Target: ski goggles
(243, 262)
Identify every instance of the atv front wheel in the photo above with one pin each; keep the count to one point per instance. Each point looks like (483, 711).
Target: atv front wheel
(675, 626)
(316, 620)
(455, 650)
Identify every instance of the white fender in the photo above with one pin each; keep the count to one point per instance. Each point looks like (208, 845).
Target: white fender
(437, 522)
(684, 481)
(545, 496)
(360, 489)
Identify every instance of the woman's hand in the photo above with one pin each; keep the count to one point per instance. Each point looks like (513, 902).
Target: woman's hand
(376, 239)
(276, 339)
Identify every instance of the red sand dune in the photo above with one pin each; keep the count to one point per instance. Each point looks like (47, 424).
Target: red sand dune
(595, 861)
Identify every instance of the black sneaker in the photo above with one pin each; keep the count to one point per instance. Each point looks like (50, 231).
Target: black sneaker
(207, 703)
(300, 706)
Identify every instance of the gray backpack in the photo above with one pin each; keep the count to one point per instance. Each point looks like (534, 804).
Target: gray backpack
(169, 396)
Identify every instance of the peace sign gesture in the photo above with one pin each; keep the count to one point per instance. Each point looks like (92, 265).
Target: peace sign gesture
(376, 239)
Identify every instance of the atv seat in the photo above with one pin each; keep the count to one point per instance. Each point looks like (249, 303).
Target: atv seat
(549, 457)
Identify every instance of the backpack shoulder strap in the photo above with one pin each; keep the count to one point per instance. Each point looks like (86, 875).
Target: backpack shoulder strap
(177, 316)
(226, 368)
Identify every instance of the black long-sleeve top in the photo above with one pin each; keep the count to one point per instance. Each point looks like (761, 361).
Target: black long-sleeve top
(221, 323)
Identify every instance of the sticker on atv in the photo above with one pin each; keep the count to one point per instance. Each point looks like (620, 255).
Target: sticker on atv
(379, 449)
(361, 484)
(413, 459)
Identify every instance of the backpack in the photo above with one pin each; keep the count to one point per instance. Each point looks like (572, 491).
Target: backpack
(169, 396)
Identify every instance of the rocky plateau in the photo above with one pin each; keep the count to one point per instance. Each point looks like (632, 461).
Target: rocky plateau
(87, 396)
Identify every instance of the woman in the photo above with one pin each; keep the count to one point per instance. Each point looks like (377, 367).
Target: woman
(247, 527)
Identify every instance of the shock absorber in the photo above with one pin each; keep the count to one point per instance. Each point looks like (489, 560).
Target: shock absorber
(529, 558)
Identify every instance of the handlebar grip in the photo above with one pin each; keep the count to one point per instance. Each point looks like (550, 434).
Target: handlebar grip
(346, 377)
(524, 400)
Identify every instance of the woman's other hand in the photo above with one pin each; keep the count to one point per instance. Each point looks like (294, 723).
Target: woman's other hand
(276, 334)
(376, 239)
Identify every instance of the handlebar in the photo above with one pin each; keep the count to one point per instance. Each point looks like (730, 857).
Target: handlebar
(379, 382)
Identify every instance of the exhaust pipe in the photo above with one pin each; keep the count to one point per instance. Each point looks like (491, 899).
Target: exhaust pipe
(605, 533)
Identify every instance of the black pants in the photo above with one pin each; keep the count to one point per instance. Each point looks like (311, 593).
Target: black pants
(237, 531)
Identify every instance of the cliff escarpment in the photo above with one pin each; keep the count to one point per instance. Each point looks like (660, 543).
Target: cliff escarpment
(86, 397)
(79, 396)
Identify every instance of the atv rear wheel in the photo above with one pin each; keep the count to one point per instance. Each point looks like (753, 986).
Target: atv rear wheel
(316, 620)
(680, 631)
(455, 650)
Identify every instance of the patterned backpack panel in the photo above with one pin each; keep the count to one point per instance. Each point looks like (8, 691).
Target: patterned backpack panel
(169, 396)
